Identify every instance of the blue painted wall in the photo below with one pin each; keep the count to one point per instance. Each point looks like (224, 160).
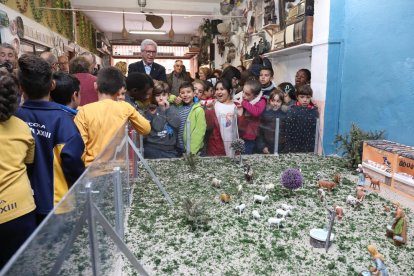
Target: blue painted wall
(370, 69)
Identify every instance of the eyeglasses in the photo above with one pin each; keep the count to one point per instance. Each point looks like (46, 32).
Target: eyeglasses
(150, 52)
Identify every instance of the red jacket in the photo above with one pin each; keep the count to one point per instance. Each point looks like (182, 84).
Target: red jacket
(249, 122)
(87, 91)
(215, 142)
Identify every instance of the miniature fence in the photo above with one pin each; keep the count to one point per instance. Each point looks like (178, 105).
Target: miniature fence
(93, 210)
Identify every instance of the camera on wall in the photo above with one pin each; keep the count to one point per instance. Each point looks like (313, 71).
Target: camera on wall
(8, 66)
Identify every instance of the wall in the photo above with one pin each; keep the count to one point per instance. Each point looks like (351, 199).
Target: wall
(370, 69)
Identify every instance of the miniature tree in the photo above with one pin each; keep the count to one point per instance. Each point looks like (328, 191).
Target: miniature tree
(238, 147)
(292, 179)
(195, 213)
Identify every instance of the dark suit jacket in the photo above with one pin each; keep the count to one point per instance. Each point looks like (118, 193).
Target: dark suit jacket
(157, 70)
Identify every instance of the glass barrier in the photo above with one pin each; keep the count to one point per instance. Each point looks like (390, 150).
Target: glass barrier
(85, 231)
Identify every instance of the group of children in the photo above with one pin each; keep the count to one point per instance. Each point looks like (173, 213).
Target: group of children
(216, 116)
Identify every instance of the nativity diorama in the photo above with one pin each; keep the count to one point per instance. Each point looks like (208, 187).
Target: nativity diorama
(288, 214)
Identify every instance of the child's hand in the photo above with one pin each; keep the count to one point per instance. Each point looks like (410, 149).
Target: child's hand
(240, 111)
(210, 104)
(266, 150)
(164, 105)
(178, 100)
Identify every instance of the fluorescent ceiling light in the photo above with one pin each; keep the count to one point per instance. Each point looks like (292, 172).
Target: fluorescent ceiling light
(155, 32)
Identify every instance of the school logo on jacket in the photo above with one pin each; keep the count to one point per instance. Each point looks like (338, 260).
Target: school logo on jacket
(39, 129)
(8, 207)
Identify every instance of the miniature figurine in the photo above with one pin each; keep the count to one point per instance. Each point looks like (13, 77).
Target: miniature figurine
(240, 208)
(352, 201)
(321, 194)
(248, 173)
(386, 208)
(287, 207)
(374, 183)
(225, 198)
(216, 183)
(283, 213)
(269, 187)
(239, 188)
(255, 214)
(330, 184)
(360, 193)
(379, 267)
(339, 211)
(275, 221)
(259, 198)
(386, 162)
(398, 230)
(361, 175)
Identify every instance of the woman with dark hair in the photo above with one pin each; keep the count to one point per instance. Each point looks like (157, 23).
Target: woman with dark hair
(17, 220)
(220, 121)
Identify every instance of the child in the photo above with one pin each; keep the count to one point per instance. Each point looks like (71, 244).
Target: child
(17, 218)
(59, 147)
(301, 122)
(199, 88)
(195, 114)
(220, 121)
(162, 140)
(250, 107)
(98, 122)
(207, 100)
(275, 109)
(303, 76)
(139, 90)
(379, 267)
(266, 80)
(66, 92)
(122, 94)
(289, 93)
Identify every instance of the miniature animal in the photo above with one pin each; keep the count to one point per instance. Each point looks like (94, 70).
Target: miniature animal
(360, 193)
(255, 214)
(240, 208)
(330, 184)
(225, 198)
(287, 207)
(216, 183)
(275, 221)
(239, 188)
(259, 198)
(283, 213)
(321, 194)
(374, 183)
(387, 208)
(248, 172)
(269, 187)
(339, 211)
(352, 201)
(386, 161)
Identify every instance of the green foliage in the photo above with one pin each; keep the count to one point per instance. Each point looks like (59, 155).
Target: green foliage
(190, 159)
(195, 213)
(331, 265)
(351, 143)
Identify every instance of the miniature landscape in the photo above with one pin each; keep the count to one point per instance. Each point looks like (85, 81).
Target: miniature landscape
(225, 242)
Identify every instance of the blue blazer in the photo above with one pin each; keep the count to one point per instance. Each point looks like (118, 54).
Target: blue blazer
(157, 70)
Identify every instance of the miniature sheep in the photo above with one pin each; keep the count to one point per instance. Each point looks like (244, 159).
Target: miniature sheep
(225, 198)
(216, 183)
(321, 194)
(273, 221)
(287, 207)
(282, 212)
(259, 198)
(269, 187)
(239, 188)
(240, 208)
(255, 214)
(352, 201)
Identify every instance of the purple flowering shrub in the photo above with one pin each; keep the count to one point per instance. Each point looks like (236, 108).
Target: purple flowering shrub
(291, 179)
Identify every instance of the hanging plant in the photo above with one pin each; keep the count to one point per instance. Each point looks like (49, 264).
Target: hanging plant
(37, 13)
(206, 33)
(22, 8)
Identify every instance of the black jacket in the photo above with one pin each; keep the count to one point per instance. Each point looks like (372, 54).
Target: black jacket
(157, 70)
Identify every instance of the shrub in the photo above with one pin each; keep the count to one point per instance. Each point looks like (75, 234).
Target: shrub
(292, 179)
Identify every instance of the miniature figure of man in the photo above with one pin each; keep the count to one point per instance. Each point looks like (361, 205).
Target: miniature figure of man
(398, 230)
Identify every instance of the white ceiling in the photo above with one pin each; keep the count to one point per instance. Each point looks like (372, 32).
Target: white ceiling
(111, 22)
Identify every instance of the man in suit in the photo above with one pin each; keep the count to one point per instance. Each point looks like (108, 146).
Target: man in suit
(147, 64)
